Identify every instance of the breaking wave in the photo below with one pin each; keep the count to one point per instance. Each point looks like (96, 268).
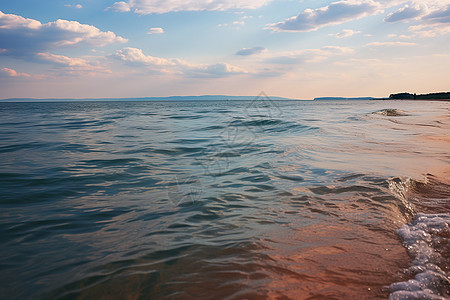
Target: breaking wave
(426, 238)
(390, 112)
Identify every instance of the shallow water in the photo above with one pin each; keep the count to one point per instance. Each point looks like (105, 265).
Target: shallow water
(224, 200)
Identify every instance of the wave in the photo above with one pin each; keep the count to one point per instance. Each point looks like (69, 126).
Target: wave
(426, 238)
(430, 195)
(391, 112)
(271, 125)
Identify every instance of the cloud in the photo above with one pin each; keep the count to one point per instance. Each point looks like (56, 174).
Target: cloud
(345, 33)
(390, 44)
(214, 70)
(406, 13)
(347, 10)
(335, 13)
(136, 58)
(236, 24)
(119, 7)
(72, 65)
(429, 30)
(21, 36)
(251, 51)
(433, 20)
(79, 6)
(144, 7)
(9, 21)
(439, 16)
(308, 55)
(155, 30)
(14, 73)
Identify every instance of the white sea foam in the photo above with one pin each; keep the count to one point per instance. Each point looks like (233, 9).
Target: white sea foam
(426, 238)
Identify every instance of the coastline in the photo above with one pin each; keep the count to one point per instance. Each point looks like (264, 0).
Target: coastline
(406, 99)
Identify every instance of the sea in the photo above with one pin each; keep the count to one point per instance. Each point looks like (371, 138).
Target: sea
(256, 199)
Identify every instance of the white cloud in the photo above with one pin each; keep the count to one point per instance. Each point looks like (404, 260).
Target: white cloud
(214, 70)
(136, 57)
(72, 32)
(308, 55)
(119, 7)
(407, 12)
(22, 36)
(14, 73)
(431, 18)
(345, 33)
(251, 51)
(79, 6)
(335, 13)
(144, 7)
(234, 24)
(10, 21)
(155, 30)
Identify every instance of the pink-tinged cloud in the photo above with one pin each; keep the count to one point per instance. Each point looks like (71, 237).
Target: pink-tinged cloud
(335, 13)
(345, 33)
(307, 56)
(14, 73)
(72, 65)
(439, 16)
(391, 44)
(429, 30)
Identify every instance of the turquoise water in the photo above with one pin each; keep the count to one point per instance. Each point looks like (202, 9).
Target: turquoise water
(224, 200)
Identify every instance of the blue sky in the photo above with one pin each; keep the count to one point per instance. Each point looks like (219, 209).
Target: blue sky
(297, 49)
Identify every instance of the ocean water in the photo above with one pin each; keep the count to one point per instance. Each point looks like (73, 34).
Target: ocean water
(225, 200)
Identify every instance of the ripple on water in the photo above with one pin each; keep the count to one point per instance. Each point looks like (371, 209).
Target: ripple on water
(205, 200)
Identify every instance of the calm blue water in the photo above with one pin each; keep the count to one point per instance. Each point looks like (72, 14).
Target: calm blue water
(224, 200)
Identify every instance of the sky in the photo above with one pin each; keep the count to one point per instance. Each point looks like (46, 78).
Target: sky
(288, 48)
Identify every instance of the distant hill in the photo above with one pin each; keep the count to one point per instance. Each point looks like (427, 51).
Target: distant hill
(170, 98)
(343, 98)
(434, 96)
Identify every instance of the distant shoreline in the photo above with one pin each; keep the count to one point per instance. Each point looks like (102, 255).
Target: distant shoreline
(389, 99)
(442, 96)
(34, 100)
(430, 96)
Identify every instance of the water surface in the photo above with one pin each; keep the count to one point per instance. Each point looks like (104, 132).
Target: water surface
(224, 200)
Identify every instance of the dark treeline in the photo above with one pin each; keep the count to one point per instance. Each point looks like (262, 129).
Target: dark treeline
(443, 95)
